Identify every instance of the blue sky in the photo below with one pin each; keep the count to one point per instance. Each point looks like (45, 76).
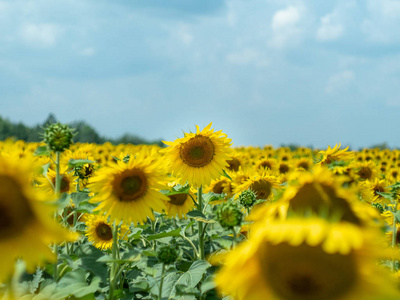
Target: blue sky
(264, 71)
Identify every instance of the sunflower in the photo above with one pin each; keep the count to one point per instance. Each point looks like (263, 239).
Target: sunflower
(370, 189)
(322, 194)
(129, 191)
(366, 170)
(67, 185)
(265, 268)
(179, 204)
(199, 157)
(335, 154)
(261, 184)
(27, 226)
(100, 231)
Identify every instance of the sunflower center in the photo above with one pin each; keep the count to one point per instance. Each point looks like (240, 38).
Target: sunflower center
(262, 189)
(234, 164)
(104, 232)
(178, 199)
(319, 198)
(197, 152)
(130, 185)
(303, 165)
(365, 173)
(283, 168)
(218, 188)
(64, 184)
(15, 211)
(307, 273)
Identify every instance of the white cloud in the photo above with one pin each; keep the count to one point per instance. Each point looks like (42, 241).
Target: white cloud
(247, 57)
(329, 29)
(381, 23)
(40, 35)
(340, 81)
(285, 26)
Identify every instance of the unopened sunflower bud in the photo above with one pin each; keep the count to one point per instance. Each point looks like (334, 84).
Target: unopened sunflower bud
(229, 215)
(58, 137)
(167, 254)
(247, 198)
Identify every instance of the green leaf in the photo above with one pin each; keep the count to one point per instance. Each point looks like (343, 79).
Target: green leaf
(88, 260)
(73, 163)
(74, 284)
(182, 290)
(42, 151)
(386, 195)
(208, 284)
(198, 216)
(226, 175)
(190, 279)
(397, 216)
(128, 258)
(77, 198)
(175, 232)
(63, 201)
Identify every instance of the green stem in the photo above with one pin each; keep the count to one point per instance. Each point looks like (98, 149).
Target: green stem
(234, 238)
(114, 265)
(394, 230)
(199, 223)
(57, 192)
(162, 281)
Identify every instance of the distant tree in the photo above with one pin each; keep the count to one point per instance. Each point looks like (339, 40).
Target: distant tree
(84, 133)
(51, 119)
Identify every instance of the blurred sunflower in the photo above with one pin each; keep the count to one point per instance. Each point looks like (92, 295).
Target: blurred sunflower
(322, 194)
(267, 268)
(129, 191)
(199, 157)
(335, 154)
(261, 184)
(27, 226)
(68, 181)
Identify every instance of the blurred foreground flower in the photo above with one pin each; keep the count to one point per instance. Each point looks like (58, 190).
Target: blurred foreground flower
(27, 226)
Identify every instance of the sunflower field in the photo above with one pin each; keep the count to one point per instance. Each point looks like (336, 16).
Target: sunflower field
(196, 219)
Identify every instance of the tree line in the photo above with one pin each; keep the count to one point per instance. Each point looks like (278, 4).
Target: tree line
(84, 133)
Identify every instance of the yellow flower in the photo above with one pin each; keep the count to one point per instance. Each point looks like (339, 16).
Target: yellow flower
(322, 194)
(264, 267)
(100, 232)
(67, 185)
(199, 157)
(335, 154)
(129, 191)
(179, 204)
(261, 184)
(27, 226)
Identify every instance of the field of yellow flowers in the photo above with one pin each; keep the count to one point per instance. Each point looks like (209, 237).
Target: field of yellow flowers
(196, 219)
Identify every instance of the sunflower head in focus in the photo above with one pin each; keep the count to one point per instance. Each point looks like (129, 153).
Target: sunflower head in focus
(129, 191)
(199, 157)
(27, 226)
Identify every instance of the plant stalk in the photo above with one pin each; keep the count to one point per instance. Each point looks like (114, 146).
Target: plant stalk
(199, 223)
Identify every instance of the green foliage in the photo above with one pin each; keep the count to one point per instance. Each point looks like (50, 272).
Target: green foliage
(84, 133)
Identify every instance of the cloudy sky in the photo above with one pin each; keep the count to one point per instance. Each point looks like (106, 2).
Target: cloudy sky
(264, 71)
